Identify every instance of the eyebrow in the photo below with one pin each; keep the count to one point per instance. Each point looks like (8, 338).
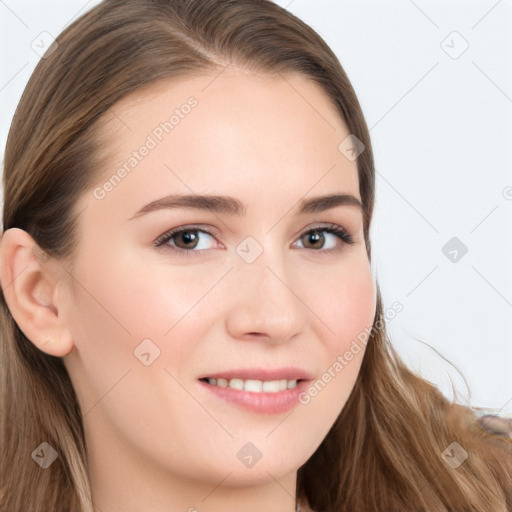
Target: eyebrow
(232, 206)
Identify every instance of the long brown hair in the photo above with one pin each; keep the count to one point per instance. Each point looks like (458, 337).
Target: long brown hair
(385, 450)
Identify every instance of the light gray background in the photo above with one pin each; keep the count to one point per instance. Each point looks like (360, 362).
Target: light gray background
(440, 119)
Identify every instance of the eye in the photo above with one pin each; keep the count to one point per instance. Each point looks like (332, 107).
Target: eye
(186, 239)
(337, 233)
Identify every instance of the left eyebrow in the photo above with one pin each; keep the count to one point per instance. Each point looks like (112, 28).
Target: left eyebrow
(232, 206)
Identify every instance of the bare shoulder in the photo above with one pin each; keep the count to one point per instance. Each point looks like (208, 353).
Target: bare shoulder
(496, 425)
(489, 432)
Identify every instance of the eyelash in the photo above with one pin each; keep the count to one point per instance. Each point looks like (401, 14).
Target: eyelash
(341, 233)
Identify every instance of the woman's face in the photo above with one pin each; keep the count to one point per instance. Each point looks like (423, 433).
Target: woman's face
(237, 294)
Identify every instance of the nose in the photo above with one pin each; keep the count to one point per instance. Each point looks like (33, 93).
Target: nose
(266, 302)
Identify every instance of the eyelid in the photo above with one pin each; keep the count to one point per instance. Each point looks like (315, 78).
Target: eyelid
(343, 234)
(164, 237)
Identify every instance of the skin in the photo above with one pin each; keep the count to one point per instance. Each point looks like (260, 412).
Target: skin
(157, 440)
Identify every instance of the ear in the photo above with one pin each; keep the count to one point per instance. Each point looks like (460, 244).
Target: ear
(31, 283)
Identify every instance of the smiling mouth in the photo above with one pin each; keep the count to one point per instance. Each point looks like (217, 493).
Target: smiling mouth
(252, 385)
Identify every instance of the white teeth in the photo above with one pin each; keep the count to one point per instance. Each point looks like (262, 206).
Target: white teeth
(291, 384)
(222, 383)
(253, 385)
(236, 384)
(271, 387)
(256, 386)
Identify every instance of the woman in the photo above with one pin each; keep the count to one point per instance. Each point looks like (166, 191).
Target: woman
(145, 370)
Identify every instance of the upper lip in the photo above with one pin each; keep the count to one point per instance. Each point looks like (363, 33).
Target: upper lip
(264, 374)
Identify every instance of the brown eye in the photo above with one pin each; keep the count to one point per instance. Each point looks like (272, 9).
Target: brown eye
(186, 239)
(315, 238)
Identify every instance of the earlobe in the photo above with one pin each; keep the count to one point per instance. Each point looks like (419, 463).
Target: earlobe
(29, 281)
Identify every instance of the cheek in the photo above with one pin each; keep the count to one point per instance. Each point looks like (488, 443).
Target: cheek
(347, 305)
(123, 306)
(347, 310)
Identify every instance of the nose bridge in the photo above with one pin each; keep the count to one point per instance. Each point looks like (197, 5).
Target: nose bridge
(264, 264)
(264, 299)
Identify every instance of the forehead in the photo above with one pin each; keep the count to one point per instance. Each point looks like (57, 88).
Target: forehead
(229, 133)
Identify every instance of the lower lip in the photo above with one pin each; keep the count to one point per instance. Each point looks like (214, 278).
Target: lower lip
(262, 403)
